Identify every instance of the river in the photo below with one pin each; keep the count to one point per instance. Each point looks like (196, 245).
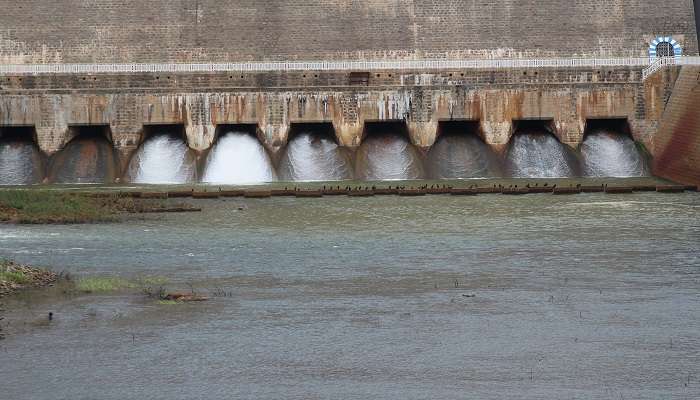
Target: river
(590, 296)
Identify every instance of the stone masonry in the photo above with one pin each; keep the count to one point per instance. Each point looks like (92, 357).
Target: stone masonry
(108, 31)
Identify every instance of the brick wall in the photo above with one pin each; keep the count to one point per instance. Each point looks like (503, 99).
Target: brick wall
(677, 142)
(213, 30)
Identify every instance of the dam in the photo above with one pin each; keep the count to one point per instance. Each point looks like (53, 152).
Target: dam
(254, 111)
(173, 127)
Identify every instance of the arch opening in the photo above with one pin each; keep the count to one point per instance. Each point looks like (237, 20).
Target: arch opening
(88, 158)
(21, 161)
(163, 157)
(461, 153)
(665, 47)
(313, 154)
(237, 157)
(608, 150)
(386, 153)
(535, 152)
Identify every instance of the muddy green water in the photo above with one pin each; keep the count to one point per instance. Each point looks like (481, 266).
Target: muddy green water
(590, 296)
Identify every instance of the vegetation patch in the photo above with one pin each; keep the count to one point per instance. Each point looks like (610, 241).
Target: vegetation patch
(46, 207)
(103, 284)
(56, 207)
(14, 277)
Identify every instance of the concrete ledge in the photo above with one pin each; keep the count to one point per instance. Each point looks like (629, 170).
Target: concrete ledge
(386, 191)
(618, 189)
(566, 190)
(180, 193)
(412, 192)
(334, 192)
(670, 188)
(231, 193)
(361, 193)
(205, 195)
(541, 189)
(464, 191)
(257, 194)
(153, 195)
(644, 188)
(515, 191)
(308, 193)
(593, 189)
(283, 192)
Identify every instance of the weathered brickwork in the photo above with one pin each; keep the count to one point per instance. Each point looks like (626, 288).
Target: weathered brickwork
(677, 141)
(67, 31)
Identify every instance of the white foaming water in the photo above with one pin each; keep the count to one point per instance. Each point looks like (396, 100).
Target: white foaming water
(238, 158)
(163, 159)
(311, 157)
(17, 163)
(538, 155)
(609, 154)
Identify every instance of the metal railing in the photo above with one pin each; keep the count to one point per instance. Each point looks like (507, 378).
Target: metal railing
(33, 69)
(287, 66)
(668, 62)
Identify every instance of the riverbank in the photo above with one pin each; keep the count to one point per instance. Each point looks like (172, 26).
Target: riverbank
(15, 277)
(69, 207)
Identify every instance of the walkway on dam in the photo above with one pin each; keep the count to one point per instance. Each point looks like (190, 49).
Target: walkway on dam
(650, 65)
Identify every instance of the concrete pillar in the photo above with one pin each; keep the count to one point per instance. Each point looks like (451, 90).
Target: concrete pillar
(52, 138)
(126, 140)
(497, 134)
(273, 136)
(200, 137)
(349, 134)
(643, 131)
(422, 134)
(569, 132)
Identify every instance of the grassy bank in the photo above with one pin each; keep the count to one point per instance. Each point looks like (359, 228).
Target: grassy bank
(42, 207)
(56, 207)
(15, 277)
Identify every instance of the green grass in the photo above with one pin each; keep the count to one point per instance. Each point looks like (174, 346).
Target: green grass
(103, 284)
(16, 277)
(43, 206)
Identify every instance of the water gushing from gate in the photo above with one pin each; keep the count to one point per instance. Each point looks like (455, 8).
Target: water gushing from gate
(238, 158)
(607, 153)
(313, 156)
(163, 159)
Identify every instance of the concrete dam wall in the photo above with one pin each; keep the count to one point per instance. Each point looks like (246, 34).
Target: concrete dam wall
(678, 137)
(495, 117)
(108, 31)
